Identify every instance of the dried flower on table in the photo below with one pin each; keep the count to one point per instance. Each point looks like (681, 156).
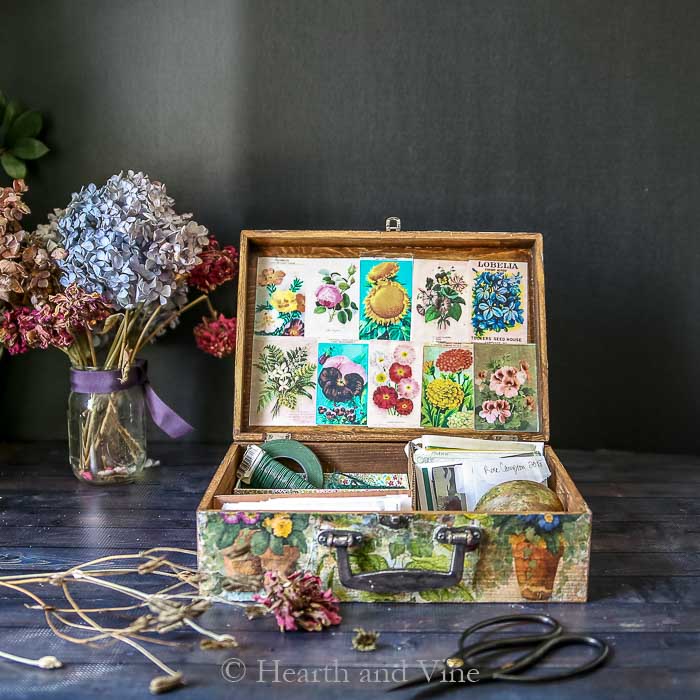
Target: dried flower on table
(365, 640)
(298, 601)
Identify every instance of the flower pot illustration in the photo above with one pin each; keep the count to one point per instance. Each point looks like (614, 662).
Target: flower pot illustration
(535, 567)
(283, 563)
(239, 560)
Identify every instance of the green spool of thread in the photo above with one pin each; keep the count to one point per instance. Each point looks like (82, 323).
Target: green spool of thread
(260, 469)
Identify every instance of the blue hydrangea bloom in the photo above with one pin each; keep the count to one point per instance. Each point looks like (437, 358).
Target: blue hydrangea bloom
(126, 241)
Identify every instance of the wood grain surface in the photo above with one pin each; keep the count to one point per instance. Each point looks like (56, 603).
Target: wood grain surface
(644, 586)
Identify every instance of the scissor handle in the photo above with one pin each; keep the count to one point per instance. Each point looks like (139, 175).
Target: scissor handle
(555, 628)
(544, 649)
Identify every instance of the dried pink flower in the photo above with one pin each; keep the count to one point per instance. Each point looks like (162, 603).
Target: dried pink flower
(77, 309)
(216, 336)
(298, 601)
(10, 336)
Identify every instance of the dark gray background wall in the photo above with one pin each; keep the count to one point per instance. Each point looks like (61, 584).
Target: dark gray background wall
(578, 119)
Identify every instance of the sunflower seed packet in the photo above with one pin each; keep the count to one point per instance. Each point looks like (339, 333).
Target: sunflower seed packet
(506, 388)
(333, 299)
(394, 384)
(385, 298)
(498, 301)
(283, 386)
(341, 398)
(448, 387)
(280, 297)
(441, 309)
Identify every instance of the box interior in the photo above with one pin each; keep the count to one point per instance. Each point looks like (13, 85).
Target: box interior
(372, 457)
(516, 247)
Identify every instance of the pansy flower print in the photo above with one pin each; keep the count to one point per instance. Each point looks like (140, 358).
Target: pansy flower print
(342, 384)
(499, 301)
(280, 298)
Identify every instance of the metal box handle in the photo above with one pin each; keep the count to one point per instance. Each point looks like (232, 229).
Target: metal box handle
(463, 539)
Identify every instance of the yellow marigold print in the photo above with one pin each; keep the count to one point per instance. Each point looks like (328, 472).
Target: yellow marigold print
(448, 387)
(444, 393)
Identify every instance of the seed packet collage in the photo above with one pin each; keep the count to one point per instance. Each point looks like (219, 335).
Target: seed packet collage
(393, 343)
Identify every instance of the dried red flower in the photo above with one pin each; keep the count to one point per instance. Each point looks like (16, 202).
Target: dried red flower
(216, 336)
(385, 397)
(219, 265)
(298, 601)
(454, 360)
(397, 372)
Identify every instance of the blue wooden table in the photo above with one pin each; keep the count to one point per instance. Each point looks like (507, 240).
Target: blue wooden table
(644, 592)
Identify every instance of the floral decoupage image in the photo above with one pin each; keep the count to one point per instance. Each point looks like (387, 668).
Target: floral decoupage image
(506, 388)
(394, 384)
(283, 388)
(280, 297)
(448, 386)
(333, 298)
(499, 301)
(341, 398)
(385, 293)
(442, 309)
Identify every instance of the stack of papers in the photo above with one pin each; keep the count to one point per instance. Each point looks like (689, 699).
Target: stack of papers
(340, 504)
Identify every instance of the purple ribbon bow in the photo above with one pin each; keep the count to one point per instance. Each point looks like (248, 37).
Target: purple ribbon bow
(108, 381)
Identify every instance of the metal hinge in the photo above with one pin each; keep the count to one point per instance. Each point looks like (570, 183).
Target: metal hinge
(276, 436)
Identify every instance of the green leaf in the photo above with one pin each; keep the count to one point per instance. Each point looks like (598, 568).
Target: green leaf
(29, 149)
(27, 124)
(11, 111)
(455, 312)
(276, 546)
(320, 310)
(259, 542)
(14, 167)
(431, 314)
(343, 287)
(421, 548)
(396, 549)
(342, 316)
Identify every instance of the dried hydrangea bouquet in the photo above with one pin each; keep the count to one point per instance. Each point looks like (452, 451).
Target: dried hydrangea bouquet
(105, 278)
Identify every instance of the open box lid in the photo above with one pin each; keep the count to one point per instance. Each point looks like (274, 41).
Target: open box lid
(434, 245)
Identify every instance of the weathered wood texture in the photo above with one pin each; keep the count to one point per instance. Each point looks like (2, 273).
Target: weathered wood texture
(644, 588)
(442, 245)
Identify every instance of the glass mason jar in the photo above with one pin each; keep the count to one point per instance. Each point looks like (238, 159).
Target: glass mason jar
(107, 435)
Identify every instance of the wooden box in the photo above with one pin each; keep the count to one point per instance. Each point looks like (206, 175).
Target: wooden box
(422, 556)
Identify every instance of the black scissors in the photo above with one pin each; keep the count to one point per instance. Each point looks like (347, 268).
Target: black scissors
(464, 667)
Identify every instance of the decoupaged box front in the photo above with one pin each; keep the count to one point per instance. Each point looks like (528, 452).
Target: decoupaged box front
(354, 421)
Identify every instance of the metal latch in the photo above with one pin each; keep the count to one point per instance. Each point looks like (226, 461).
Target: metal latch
(393, 223)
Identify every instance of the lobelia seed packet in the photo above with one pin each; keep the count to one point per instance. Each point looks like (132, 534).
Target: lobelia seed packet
(280, 297)
(333, 298)
(442, 305)
(506, 388)
(498, 301)
(283, 381)
(341, 398)
(448, 386)
(385, 298)
(394, 384)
